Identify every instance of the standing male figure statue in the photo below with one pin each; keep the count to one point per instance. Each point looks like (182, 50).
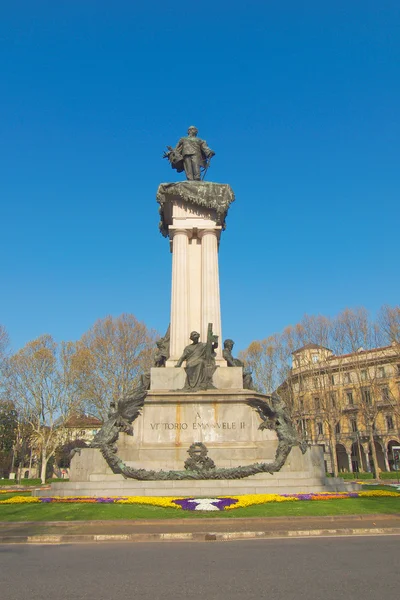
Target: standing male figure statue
(190, 155)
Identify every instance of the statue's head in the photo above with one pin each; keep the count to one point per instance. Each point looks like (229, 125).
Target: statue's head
(193, 131)
(229, 344)
(194, 336)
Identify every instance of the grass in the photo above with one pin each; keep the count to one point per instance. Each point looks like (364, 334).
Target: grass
(382, 486)
(89, 512)
(27, 482)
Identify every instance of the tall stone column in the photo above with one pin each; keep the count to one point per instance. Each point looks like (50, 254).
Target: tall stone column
(210, 296)
(367, 461)
(348, 452)
(179, 294)
(386, 458)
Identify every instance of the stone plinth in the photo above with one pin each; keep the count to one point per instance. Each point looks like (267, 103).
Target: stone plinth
(170, 423)
(301, 473)
(173, 378)
(192, 216)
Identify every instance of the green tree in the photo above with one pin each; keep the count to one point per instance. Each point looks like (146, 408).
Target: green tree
(8, 436)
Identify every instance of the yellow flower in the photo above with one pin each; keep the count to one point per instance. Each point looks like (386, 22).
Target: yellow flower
(163, 501)
(20, 500)
(252, 499)
(379, 493)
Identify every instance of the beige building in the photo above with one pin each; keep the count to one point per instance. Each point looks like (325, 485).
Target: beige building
(349, 404)
(81, 427)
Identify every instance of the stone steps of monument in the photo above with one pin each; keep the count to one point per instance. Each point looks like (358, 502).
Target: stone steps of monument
(272, 479)
(196, 488)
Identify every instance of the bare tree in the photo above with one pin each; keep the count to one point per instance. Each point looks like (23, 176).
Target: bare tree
(332, 353)
(41, 385)
(4, 351)
(389, 325)
(110, 358)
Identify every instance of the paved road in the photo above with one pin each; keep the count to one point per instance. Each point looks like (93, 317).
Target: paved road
(313, 569)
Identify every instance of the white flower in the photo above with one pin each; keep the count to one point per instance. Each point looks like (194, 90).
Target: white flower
(205, 503)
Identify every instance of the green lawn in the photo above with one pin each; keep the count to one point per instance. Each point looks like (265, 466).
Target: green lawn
(76, 512)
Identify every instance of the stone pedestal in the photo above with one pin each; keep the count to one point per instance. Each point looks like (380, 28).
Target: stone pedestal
(170, 423)
(194, 230)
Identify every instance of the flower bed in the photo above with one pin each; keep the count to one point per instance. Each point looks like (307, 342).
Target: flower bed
(203, 504)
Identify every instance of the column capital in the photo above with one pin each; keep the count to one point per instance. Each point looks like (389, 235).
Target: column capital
(178, 230)
(216, 231)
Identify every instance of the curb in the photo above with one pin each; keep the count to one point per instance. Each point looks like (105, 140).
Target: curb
(196, 537)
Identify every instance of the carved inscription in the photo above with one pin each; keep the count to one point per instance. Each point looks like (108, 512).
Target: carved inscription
(163, 426)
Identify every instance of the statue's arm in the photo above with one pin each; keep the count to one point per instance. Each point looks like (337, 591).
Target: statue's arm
(207, 151)
(229, 358)
(179, 146)
(182, 358)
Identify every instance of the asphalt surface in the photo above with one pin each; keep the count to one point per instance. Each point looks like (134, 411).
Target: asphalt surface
(195, 529)
(328, 568)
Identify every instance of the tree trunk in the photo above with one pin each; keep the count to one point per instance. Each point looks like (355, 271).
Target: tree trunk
(373, 450)
(332, 444)
(44, 466)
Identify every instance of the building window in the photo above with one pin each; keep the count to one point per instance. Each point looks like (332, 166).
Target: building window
(347, 377)
(381, 372)
(314, 358)
(350, 399)
(337, 428)
(364, 375)
(320, 428)
(332, 398)
(332, 379)
(301, 404)
(385, 394)
(303, 426)
(389, 423)
(317, 404)
(366, 395)
(353, 425)
(315, 382)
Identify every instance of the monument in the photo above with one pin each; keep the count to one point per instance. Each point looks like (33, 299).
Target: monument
(198, 401)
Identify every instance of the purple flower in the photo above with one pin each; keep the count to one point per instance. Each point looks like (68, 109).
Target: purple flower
(186, 503)
(106, 500)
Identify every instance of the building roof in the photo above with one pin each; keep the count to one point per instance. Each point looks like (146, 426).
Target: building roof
(311, 347)
(81, 421)
(360, 351)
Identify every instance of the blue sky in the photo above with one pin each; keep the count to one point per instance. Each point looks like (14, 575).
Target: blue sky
(299, 100)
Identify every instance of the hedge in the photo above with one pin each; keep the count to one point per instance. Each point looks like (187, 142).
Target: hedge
(382, 475)
(28, 482)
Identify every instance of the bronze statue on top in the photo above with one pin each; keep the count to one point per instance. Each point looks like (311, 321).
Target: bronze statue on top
(190, 155)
